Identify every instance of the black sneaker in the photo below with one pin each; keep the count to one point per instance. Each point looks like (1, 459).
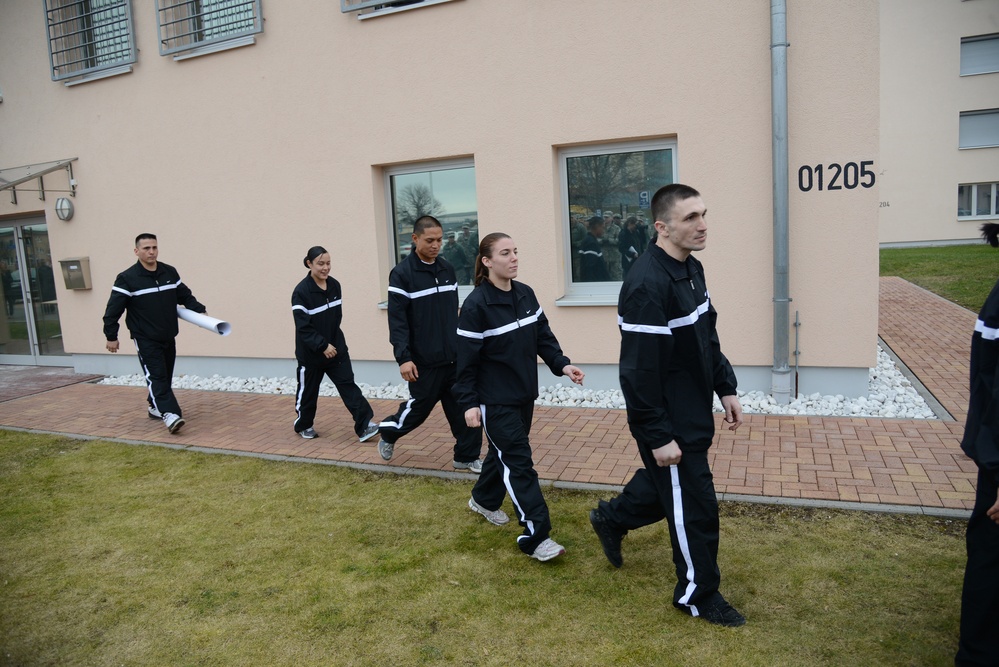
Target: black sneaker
(722, 613)
(610, 539)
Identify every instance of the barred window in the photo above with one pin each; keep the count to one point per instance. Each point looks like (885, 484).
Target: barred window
(185, 25)
(89, 36)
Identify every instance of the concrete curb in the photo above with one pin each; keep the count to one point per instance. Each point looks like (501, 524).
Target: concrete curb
(880, 508)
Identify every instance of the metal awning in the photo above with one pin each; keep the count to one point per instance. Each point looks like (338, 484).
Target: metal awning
(11, 177)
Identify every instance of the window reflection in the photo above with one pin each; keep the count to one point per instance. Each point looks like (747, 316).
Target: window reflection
(609, 195)
(448, 194)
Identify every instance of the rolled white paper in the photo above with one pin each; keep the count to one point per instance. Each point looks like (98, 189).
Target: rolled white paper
(203, 321)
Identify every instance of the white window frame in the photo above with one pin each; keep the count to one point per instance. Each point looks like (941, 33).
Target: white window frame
(417, 168)
(980, 54)
(603, 293)
(974, 199)
(978, 129)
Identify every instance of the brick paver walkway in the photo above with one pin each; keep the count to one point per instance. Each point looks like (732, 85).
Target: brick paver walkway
(883, 461)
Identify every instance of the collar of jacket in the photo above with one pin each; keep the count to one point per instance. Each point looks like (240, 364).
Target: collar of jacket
(676, 269)
(143, 269)
(420, 265)
(495, 295)
(314, 287)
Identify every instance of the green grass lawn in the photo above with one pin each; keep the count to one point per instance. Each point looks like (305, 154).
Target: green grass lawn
(963, 274)
(114, 554)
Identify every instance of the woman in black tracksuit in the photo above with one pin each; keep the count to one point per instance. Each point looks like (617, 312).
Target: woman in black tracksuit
(501, 333)
(321, 349)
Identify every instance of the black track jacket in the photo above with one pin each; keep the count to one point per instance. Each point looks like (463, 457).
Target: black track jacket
(981, 431)
(498, 347)
(671, 361)
(423, 312)
(318, 314)
(151, 298)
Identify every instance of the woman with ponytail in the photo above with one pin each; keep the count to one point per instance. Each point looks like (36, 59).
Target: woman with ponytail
(502, 331)
(979, 643)
(321, 349)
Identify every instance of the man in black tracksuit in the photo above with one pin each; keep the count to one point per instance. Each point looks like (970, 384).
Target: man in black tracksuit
(671, 365)
(423, 325)
(151, 291)
(979, 644)
(592, 267)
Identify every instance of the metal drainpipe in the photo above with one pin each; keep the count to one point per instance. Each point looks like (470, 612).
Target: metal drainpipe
(781, 377)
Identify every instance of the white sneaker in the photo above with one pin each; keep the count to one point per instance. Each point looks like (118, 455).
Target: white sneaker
(471, 466)
(309, 433)
(173, 422)
(154, 413)
(547, 550)
(370, 431)
(495, 517)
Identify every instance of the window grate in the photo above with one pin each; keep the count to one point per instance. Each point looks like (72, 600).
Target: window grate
(190, 24)
(88, 36)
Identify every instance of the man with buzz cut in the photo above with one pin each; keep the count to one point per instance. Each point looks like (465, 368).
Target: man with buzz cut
(151, 291)
(671, 365)
(423, 330)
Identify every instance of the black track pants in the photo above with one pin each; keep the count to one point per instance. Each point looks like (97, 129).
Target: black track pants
(433, 385)
(157, 360)
(979, 644)
(509, 468)
(341, 373)
(684, 494)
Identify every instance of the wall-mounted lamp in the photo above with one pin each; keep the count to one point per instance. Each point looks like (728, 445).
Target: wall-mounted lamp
(64, 209)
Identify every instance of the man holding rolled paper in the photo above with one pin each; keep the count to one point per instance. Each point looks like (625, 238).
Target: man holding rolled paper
(150, 291)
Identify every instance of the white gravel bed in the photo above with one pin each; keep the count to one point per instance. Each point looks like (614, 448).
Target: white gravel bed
(891, 395)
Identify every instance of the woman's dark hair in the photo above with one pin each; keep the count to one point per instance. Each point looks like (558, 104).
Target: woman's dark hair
(990, 232)
(486, 250)
(314, 251)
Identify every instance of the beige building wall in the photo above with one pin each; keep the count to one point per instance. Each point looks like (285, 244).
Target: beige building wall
(241, 160)
(922, 97)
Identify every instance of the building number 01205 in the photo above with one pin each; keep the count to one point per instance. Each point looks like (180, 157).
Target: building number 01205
(835, 176)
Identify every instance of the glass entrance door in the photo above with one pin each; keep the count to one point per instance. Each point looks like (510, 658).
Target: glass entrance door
(30, 332)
